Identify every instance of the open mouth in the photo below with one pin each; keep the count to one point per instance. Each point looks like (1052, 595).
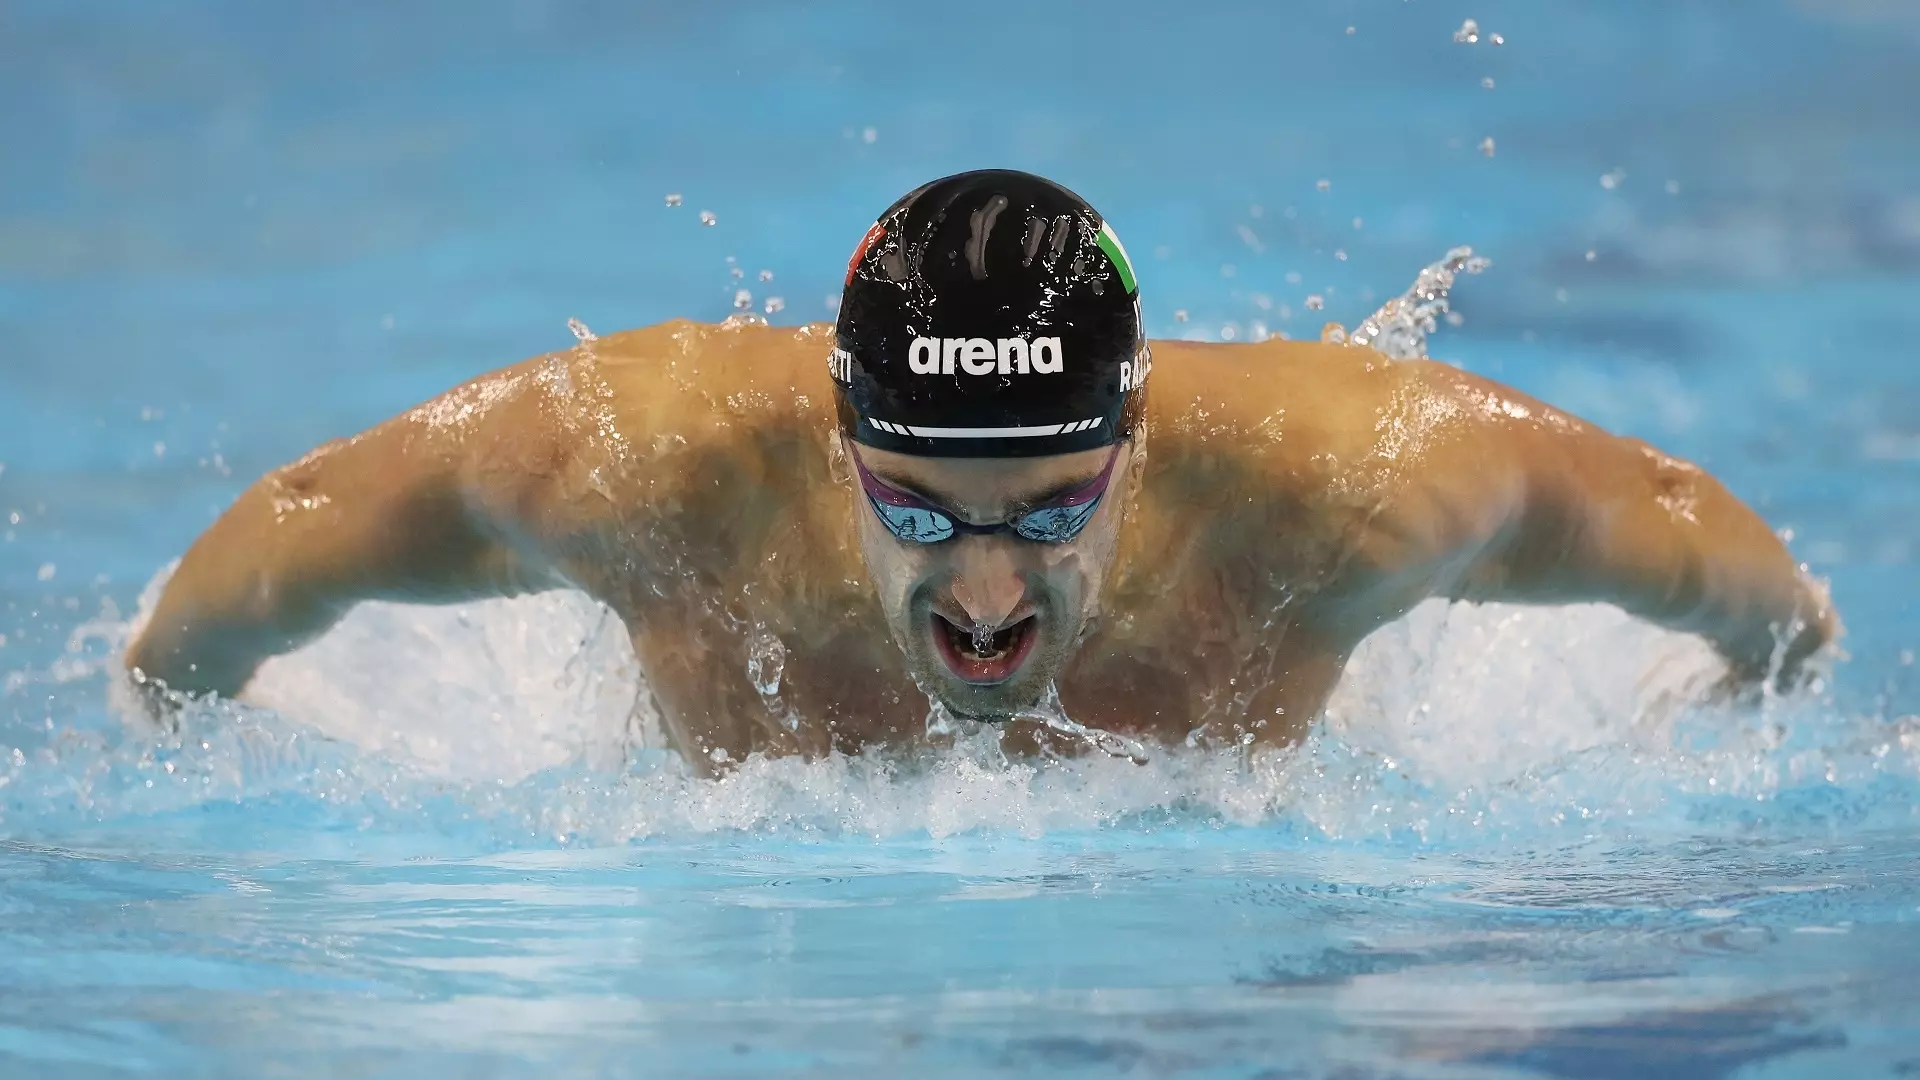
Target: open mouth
(987, 658)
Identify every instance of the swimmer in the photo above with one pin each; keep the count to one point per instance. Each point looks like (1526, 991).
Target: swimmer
(981, 487)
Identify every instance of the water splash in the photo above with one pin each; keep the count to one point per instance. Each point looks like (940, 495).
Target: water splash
(766, 663)
(580, 332)
(1400, 328)
(526, 721)
(1049, 713)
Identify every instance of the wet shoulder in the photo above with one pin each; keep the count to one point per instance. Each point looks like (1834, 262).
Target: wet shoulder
(697, 446)
(1274, 403)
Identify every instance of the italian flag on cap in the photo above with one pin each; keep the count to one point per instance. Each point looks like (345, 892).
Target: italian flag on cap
(1110, 244)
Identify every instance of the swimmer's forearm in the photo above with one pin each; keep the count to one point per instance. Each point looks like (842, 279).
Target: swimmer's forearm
(383, 516)
(1620, 522)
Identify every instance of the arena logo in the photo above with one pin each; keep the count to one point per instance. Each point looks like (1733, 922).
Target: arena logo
(985, 356)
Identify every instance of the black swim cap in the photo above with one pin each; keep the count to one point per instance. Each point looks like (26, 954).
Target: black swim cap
(989, 314)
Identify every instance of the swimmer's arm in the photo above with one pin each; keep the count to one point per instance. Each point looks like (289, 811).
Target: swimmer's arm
(1589, 516)
(397, 513)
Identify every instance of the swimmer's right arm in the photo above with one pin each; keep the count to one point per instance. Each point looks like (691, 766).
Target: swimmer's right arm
(397, 513)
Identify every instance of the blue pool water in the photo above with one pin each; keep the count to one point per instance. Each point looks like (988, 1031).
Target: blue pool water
(442, 844)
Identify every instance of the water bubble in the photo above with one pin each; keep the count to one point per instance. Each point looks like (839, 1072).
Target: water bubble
(1323, 185)
(1498, 39)
(1180, 315)
(766, 275)
(1257, 331)
(735, 272)
(46, 572)
(1613, 179)
(707, 217)
(1400, 328)
(674, 199)
(775, 305)
(869, 135)
(1359, 223)
(580, 331)
(1673, 187)
(1561, 295)
(1486, 83)
(742, 299)
(1468, 34)
(833, 301)
(1316, 302)
(766, 663)
(1486, 146)
(1592, 255)
(1229, 332)
(1340, 254)
(1352, 30)
(386, 322)
(1293, 277)
(1333, 334)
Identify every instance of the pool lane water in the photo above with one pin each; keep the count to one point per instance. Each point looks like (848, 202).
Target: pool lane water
(228, 233)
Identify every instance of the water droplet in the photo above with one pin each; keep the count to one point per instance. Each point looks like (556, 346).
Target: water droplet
(674, 199)
(1229, 332)
(46, 572)
(580, 331)
(775, 305)
(869, 135)
(766, 275)
(1486, 83)
(1468, 34)
(707, 217)
(1324, 185)
(1180, 315)
(1316, 302)
(742, 299)
(766, 663)
(1486, 146)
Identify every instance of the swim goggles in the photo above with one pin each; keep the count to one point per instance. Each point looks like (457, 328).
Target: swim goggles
(916, 521)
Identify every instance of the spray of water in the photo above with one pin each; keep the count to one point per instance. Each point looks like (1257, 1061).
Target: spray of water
(1401, 327)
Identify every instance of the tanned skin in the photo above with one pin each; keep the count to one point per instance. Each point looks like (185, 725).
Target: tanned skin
(1286, 500)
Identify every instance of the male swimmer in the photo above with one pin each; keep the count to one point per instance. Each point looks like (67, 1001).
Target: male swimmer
(983, 483)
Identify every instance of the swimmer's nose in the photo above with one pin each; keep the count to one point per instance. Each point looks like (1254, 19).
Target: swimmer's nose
(987, 581)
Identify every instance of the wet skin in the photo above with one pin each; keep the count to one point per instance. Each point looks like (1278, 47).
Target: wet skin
(1285, 500)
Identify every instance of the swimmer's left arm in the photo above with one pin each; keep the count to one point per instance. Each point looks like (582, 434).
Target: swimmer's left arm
(1522, 502)
(1613, 520)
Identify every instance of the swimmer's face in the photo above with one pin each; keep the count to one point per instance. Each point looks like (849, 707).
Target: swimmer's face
(988, 620)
